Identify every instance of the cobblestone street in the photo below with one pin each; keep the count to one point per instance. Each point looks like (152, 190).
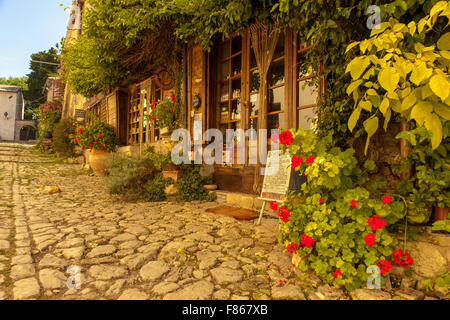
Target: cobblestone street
(125, 250)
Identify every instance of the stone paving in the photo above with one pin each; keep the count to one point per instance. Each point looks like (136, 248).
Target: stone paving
(133, 251)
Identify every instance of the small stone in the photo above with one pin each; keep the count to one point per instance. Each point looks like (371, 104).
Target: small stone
(222, 294)
(288, 292)
(123, 238)
(165, 287)
(22, 259)
(133, 294)
(50, 260)
(208, 259)
(226, 275)
(201, 290)
(52, 279)
(409, 294)
(4, 245)
(115, 288)
(26, 289)
(107, 272)
(73, 253)
(198, 274)
(366, 294)
(22, 271)
(101, 251)
(130, 245)
(135, 261)
(70, 243)
(154, 270)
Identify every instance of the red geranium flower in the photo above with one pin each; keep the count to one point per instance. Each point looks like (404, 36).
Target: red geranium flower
(307, 241)
(84, 147)
(67, 135)
(353, 203)
(296, 161)
(103, 145)
(172, 110)
(384, 266)
(95, 141)
(172, 97)
(370, 239)
(337, 273)
(81, 131)
(286, 138)
(284, 214)
(387, 199)
(293, 247)
(153, 118)
(321, 200)
(310, 160)
(274, 205)
(99, 136)
(376, 223)
(90, 145)
(402, 259)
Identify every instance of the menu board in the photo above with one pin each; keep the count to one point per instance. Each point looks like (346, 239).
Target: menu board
(284, 179)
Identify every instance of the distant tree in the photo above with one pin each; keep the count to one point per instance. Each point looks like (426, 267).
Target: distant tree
(39, 74)
(16, 81)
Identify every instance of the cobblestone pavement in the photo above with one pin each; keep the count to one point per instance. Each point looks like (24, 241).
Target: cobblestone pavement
(130, 250)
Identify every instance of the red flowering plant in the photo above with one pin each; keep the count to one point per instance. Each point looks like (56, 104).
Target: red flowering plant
(341, 220)
(95, 135)
(165, 113)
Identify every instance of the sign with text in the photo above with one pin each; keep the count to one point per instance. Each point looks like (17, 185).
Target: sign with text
(285, 179)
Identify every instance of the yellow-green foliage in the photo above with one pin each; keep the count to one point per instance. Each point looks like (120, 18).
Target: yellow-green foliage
(401, 70)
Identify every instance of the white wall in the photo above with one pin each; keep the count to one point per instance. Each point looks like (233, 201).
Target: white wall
(7, 105)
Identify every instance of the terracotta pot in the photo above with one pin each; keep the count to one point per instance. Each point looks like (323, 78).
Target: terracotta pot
(440, 213)
(210, 187)
(97, 161)
(175, 175)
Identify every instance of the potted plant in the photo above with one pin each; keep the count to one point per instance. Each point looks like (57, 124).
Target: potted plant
(100, 139)
(165, 113)
(49, 116)
(164, 163)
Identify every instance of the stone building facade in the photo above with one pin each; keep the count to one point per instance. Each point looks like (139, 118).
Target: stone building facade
(12, 124)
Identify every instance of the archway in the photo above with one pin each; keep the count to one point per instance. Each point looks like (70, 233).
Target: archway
(28, 133)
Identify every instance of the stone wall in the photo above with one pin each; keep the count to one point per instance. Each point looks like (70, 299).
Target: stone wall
(7, 125)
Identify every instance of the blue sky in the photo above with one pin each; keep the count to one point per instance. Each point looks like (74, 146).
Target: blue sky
(26, 27)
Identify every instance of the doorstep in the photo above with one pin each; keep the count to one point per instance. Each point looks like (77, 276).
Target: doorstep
(242, 200)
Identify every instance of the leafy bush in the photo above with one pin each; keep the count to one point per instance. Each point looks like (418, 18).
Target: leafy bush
(128, 175)
(403, 69)
(95, 135)
(154, 191)
(159, 160)
(428, 186)
(334, 219)
(165, 112)
(191, 183)
(61, 141)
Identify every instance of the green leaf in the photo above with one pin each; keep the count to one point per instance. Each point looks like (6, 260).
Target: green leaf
(408, 102)
(384, 105)
(371, 127)
(366, 105)
(389, 79)
(440, 86)
(353, 86)
(387, 118)
(351, 45)
(444, 42)
(420, 111)
(354, 119)
(442, 110)
(420, 73)
(434, 125)
(357, 66)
